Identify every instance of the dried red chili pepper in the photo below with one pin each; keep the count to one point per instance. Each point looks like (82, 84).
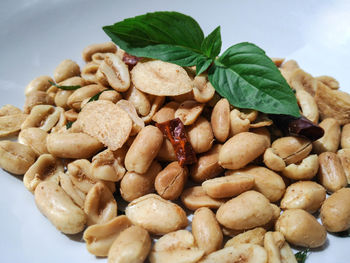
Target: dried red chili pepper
(130, 60)
(175, 132)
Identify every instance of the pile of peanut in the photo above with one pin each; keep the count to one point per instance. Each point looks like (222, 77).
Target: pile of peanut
(246, 172)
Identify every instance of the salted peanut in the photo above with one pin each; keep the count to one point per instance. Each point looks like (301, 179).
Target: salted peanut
(144, 149)
(46, 168)
(333, 104)
(134, 185)
(200, 135)
(253, 236)
(203, 91)
(238, 124)
(176, 247)
(287, 69)
(300, 228)
(129, 108)
(220, 120)
(241, 149)
(329, 81)
(300, 80)
(166, 152)
(16, 158)
(99, 238)
(248, 210)
(335, 211)
(183, 97)
(273, 161)
(111, 95)
(139, 100)
(331, 138)
(72, 145)
(331, 173)
(167, 112)
(264, 132)
(116, 72)
(42, 116)
(40, 83)
(106, 122)
(71, 115)
(269, 226)
(292, 149)
(305, 195)
(195, 197)
(228, 186)
(189, 111)
(344, 156)
(345, 136)
(156, 215)
(11, 124)
(107, 47)
(305, 170)
(170, 182)
(156, 104)
(9, 109)
(61, 125)
(287, 254)
(74, 192)
(207, 165)
(273, 242)
(57, 206)
(61, 97)
(109, 165)
(35, 138)
(161, 78)
(206, 230)
(99, 57)
(66, 69)
(262, 120)
(308, 105)
(88, 73)
(37, 98)
(247, 253)
(78, 96)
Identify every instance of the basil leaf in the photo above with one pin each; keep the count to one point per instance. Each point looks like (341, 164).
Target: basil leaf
(167, 36)
(249, 79)
(211, 45)
(202, 65)
(65, 87)
(97, 96)
(302, 255)
(69, 124)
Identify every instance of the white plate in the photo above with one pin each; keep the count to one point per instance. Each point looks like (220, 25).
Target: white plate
(36, 35)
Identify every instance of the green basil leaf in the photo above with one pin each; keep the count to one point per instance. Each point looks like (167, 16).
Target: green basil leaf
(211, 45)
(168, 36)
(97, 96)
(69, 124)
(302, 255)
(202, 65)
(65, 87)
(249, 79)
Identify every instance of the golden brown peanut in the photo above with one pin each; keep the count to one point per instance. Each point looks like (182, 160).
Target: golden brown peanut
(72, 145)
(74, 192)
(62, 96)
(107, 47)
(203, 91)
(65, 70)
(344, 156)
(183, 97)
(166, 152)
(247, 253)
(189, 111)
(71, 115)
(61, 125)
(156, 103)
(331, 173)
(167, 112)
(111, 95)
(88, 73)
(176, 247)
(200, 135)
(273, 241)
(134, 185)
(248, 210)
(292, 149)
(329, 81)
(16, 158)
(144, 149)
(78, 96)
(331, 138)
(131, 246)
(228, 186)
(195, 197)
(345, 136)
(206, 230)
(287, 254)
(273, 161)
(301, 229)
(305, 195)
(156, 215)
(207, 165)
(220, 120)
(170, 182)
(139, 100)
(11, 124)
(264, 132)
(42, 116)
(308, 105)
(335, 211)
(129, 108)
(35, 138)
(237, 123)
(300, 80)
(99, 238)
(57, 206)
(253, 236)
(288, 68)
(99, 57)
(40, 83)
(241, 149)
(305, 170)
(100, 205)
(267, 182)
(45, 168)
(9, 109)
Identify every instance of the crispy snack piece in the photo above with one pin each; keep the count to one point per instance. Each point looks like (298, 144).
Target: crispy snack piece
(106, 122)
(161, 78)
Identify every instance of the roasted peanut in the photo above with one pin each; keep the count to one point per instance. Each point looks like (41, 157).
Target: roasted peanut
(166, 113)
(241, 149)
(156, 103)
(78, 96)
(308, 105)
(38, 84)
(344, 156)
(144, 149)
(42, 116)
(335, 211)
(331, 138)
(273, 242)
(200, 135)
(273, 161)
(331, 173)
(345, 136)
(306, 170)
(134, 185)
(88, 73)
(111, 95)
(305, 195)
(253, 236)
(237, 123)
(220, 120)
(131, 246)
(129, 108)
(139, 100)
(189, 111)
(203, 91)
(35, 138)
(66, 69)
(71, 115)
(300, 80)
(107, 47)
(11, 124)
(195, 197)
(57, 206)
(166, 152)
(16, 158)
(329, 81)
(74, 192)
(9, 109)
(156, 215)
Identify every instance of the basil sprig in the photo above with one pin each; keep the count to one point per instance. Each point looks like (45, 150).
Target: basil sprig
(301, 256)
(243, 74)
(65, 87)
